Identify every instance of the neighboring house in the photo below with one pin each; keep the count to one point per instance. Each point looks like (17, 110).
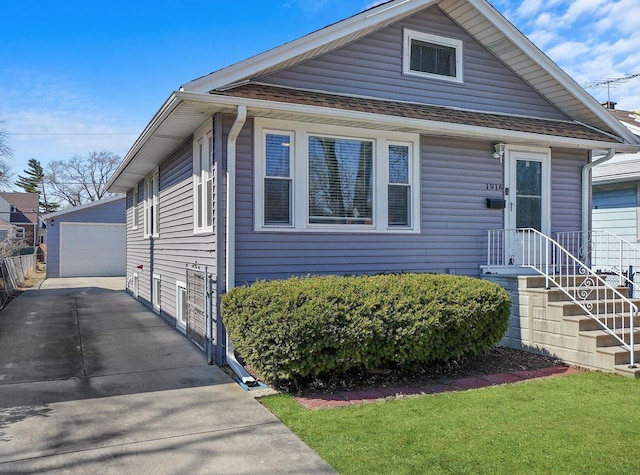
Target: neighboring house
(616, 189)
(392, 141)
(21, 210)
(8, 231)
(87, 240)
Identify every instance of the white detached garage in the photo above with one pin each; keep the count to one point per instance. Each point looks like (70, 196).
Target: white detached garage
(87, 240)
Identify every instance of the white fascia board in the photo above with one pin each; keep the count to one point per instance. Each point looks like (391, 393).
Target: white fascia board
(531, 50)
(281, 54)
(165, 111)
(419, 125)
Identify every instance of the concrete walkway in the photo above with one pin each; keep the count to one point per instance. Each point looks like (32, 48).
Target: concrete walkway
(93, 382)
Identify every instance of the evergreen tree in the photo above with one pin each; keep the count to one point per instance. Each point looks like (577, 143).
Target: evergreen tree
(34, 182)
(34, 175)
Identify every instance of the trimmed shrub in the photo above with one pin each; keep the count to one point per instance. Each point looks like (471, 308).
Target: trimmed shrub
(319, 326)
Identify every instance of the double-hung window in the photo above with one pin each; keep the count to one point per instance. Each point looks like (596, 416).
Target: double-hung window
(432, 56)
(399, 191)
(277, 178)
(134, 208)
(203, 178)
(152, 205)
(331, 179)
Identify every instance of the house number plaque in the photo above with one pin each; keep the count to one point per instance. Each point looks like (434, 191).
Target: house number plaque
(495, 187)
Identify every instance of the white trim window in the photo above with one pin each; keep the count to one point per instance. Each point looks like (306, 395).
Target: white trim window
(20, 233)
(277, 178)
(134, 208)
(156, 292)
(181, 305)
(152, 205)
(399, 191)
(203, 173)
(330, 179)
(432, 56)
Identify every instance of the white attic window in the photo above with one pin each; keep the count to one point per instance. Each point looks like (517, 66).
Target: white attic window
(432, 56)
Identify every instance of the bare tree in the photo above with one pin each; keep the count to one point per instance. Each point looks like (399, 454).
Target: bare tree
(79, 179)
(6, 176)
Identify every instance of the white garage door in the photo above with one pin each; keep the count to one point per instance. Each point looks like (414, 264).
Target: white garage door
(92, 249)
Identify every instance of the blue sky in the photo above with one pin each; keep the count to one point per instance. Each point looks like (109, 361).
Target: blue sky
(78, 76)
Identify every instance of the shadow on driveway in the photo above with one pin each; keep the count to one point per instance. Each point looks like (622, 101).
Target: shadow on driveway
(91, 380)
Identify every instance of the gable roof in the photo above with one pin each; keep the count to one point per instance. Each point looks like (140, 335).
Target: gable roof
(481, 20)
(27, 204)
(590, 125)
(91, 204)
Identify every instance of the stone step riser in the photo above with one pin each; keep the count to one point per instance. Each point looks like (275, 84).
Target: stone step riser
(587, 294)
(538, 282)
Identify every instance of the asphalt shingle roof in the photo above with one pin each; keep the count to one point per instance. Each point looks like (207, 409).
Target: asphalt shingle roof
(27, 205)
(418, 111)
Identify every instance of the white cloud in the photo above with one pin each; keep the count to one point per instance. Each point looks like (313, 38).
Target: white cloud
(542, 38)
(50, 118)
(567, 51)
(529, 7)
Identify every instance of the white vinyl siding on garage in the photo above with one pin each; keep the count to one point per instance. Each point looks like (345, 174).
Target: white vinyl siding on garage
(92, 249)
(614, 210)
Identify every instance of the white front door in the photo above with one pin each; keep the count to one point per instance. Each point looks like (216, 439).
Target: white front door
(528, 195)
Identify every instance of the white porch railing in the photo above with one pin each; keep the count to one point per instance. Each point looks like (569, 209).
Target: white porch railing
(606, 254)
(600, 300)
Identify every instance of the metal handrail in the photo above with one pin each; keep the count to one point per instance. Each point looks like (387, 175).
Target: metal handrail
(605, 252)
(600, 300)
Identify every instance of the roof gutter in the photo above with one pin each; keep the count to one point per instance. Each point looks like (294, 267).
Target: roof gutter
(230, 271)
(419, 125)
(586, 188)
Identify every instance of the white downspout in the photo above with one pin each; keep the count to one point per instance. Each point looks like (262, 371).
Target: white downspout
(230, 267)
(586, 189)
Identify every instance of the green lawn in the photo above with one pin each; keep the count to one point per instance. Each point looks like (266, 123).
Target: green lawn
(587, 423)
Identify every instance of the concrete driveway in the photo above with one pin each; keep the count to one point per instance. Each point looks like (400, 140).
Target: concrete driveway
(93, 382)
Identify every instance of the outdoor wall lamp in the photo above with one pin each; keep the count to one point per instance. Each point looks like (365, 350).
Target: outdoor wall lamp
(499, 153)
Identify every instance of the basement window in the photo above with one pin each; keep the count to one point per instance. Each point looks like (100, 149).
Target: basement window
(432, 56)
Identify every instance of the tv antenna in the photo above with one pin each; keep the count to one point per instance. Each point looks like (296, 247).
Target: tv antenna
(610, 82)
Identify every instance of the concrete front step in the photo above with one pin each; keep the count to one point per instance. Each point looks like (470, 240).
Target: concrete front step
(540, 282)
(566, 309)
(625, 370)
(602, 338)
(583, 293)
(618, 355)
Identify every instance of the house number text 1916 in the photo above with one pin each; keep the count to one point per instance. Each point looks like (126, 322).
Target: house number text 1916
(495, 187)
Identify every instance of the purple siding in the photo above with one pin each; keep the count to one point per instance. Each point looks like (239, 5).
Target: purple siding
(372, 67)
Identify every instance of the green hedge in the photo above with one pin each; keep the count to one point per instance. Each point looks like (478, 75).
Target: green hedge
(320, 326)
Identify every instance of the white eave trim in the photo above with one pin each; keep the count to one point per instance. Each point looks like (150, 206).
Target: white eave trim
(366, 20)
(262, 108)
(158, 119)
(418, 125)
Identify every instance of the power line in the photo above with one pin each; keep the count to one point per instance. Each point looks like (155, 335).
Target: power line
(71, 135)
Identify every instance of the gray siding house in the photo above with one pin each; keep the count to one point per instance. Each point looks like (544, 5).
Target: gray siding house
(392, 141)
(87, 240)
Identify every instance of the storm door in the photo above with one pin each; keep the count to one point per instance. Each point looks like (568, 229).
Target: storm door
(528, 195)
